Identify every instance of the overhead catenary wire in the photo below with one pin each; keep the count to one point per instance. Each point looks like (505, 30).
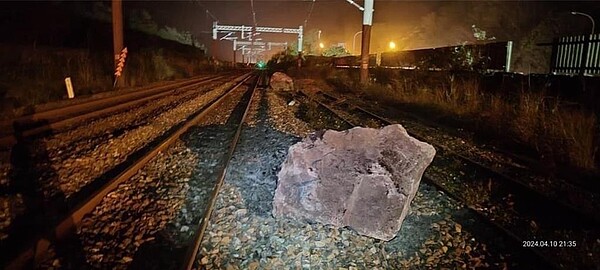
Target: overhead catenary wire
(211, 15)
(208, 14)
(253, 28)
(253, 13)
(312, 6)
(356, 5)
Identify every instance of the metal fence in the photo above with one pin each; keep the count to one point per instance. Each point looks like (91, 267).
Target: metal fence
(576, 55)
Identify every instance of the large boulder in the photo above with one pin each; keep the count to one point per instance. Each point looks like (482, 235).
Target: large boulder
(281, 82)
(363, 178)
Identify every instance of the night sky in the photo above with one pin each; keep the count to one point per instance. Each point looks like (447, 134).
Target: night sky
(412, 24)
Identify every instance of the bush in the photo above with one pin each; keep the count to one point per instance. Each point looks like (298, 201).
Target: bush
(559, 133)
(31, 76)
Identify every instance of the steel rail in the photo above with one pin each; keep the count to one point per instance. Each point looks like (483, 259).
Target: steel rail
(93, 101)
(15, 238)
(343, 118)
(192, 251)
(9, 140)
(447, 191)
(522, 184)
(574, 188)
(71, 222)
(64, 116)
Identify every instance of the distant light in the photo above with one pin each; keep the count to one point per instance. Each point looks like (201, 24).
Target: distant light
(392, 45)
(321, 45)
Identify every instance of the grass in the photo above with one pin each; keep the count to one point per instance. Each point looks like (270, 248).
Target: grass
(562, 135)
(31, 76)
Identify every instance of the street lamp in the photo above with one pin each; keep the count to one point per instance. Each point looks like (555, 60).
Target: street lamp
(587, 15)
(321, 46)
(354, 41)
(392, 45)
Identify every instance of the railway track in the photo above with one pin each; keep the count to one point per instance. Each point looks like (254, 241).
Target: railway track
(63, 117)
(516, 210)
(147, 237)
(192, 252)
(243, 234)
(54, 174)
(19, 253)
(506, 166)
(580, 192)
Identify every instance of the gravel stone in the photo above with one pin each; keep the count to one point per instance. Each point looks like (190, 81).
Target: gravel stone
(79, 170)
(139, 208)
(269, 243)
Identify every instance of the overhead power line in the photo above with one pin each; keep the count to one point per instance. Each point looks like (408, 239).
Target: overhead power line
(253, 12)
(356, 5)
(208, 13)
(312, 5)
(211, 15)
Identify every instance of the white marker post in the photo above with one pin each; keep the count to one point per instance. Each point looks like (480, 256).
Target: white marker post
(366, 40)
(69, 85)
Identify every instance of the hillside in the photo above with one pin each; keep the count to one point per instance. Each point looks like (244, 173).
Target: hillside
(42, 43)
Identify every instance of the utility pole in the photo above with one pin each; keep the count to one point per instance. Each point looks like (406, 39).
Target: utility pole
(213, 47)
(117, 17)
(252, 42)
(366, 39)
(234, 51)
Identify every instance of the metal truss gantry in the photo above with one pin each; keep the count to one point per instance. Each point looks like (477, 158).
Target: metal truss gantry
(257, 44)
(255, 30)
(254, 48)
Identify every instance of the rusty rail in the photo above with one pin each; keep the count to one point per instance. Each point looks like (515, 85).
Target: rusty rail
(34, 251)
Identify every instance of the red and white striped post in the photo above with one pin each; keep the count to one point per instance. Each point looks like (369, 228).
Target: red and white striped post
(120, 65)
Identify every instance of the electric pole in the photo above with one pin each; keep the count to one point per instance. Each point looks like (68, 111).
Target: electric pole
(366, 39)
(234, 51)
(252, 41)
(117, 17)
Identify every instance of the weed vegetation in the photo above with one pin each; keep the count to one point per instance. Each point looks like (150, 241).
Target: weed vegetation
(561, 133)
(31, 76)
(557, 130)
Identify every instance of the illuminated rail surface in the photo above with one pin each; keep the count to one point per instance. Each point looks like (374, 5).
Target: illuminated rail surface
(329, 102)
(529, 204)
(514, 177)
(190, 258)
(69, 115)
(26, 249)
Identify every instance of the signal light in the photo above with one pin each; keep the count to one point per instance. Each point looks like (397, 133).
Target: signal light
(261, 65)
